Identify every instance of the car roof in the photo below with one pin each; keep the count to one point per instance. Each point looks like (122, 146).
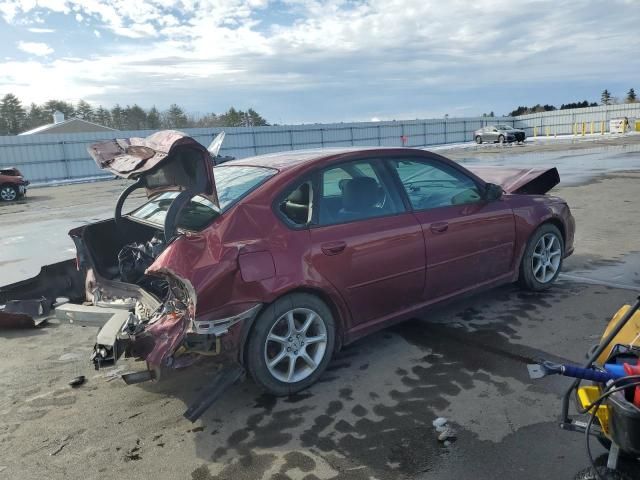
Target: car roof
(294, 158)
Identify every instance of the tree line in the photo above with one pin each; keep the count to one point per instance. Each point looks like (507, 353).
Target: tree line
(16, 118)
(605, 99)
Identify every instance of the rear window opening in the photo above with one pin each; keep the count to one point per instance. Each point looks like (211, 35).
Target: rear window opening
(232, 184)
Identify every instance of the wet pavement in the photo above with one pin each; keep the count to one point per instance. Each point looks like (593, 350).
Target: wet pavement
(371, 414)
(575, 167)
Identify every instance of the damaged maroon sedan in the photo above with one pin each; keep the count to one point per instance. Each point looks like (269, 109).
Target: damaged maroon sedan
(275, 262)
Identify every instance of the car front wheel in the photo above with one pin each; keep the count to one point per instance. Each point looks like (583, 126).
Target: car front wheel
(8, 193)
(291, 344)
(501, 139)
(478, 139)
(542, 258)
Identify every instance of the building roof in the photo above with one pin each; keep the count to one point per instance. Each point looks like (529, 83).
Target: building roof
(72, 125)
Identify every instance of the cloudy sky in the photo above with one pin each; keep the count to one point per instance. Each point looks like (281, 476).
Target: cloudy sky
(314, 61)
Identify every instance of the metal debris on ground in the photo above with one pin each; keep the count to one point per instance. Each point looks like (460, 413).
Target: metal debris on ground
(77, 381)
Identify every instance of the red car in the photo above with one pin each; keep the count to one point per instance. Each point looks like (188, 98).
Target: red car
(277, 261)
(12, 184)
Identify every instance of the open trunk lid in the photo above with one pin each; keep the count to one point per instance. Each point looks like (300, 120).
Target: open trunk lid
(165, 160)
(532, 181)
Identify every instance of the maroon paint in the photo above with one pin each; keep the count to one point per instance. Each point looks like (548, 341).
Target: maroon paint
(371, 272)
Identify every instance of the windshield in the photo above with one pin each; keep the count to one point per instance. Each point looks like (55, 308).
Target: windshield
(232, 183)
(503, 127)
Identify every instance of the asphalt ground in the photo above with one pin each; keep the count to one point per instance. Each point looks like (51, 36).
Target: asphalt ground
(371, 414)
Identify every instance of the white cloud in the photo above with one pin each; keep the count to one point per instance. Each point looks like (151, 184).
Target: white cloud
(370, 49)
(35, 48)
(41, 30)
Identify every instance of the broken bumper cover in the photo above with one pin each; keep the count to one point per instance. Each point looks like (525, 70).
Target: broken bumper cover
(170, 340)
(222, 326)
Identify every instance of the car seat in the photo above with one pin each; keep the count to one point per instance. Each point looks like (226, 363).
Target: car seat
(296, 206)
(360, 198)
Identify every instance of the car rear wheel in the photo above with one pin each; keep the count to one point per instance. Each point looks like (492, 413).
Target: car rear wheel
(542, 260)
(501, 139)
(8, 193)
(291, 344)
(478, 139)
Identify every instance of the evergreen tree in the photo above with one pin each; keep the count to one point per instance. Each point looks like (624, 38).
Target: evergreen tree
(135, 118)
(61, 106)
(102, 116)
(14, 118)
(175, 117)
(36, 117)
(255, 120)
(605, 98)
(84, 111)
(153, 119)
(12, 115)
(117, 117)
(631, 96)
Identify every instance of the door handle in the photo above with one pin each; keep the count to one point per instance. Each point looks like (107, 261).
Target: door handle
(333, 248)
(439, 227)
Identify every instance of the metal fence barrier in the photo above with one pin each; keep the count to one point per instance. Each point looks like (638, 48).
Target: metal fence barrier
(51, 157)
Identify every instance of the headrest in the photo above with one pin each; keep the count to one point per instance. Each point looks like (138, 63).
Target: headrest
(360, 193)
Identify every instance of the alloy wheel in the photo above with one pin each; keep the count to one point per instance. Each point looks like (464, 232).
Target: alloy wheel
(7, 194)
(295, 345)
(546, 258)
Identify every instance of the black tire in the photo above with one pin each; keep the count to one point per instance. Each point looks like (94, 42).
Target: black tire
(527, 278)
(478, 139)
(8, 193)
(256, 360)
(605, 474)
(500, 138)
(626, 470)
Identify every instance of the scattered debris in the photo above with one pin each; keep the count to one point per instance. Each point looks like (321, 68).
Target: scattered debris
(225, 379)
(58, 450)
(439, 423)
(24, 313)
(60, 447)
(132, 454)
(446, 434)
(28, 303)
(77, 381)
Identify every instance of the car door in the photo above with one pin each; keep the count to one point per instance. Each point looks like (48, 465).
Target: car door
(366, 243)
(492, 134)
(469, 241)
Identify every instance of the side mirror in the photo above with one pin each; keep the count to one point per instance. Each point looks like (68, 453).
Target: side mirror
(492, 192)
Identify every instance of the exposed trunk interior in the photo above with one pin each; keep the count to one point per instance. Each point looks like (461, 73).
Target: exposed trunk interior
(105, 240)
(121, 252)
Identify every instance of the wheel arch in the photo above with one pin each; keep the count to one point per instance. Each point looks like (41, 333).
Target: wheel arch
(549, 220)
(558, 223)
(330, 302)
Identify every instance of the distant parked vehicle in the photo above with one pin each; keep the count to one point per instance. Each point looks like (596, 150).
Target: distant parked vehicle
(12, 184)
(499, 133)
